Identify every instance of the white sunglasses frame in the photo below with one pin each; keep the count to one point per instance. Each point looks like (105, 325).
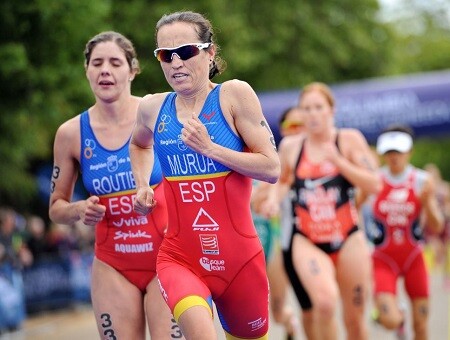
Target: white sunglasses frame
(200, 46)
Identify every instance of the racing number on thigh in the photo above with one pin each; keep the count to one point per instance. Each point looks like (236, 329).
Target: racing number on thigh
(107, 323)
(176, 330)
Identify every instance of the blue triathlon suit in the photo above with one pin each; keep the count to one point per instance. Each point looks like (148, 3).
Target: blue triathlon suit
(125, 240)
(211, 245)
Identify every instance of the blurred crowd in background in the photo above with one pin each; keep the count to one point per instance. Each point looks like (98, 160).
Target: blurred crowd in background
(43, 266)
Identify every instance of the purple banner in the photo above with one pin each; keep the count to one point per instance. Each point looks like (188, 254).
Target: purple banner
(421, 101)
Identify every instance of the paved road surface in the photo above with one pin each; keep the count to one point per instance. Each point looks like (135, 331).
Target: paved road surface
(79, 323)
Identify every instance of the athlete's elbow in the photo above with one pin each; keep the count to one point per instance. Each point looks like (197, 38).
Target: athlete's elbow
(51, 215)
(273, 179)
(53, 211)
(274, 173)
(58, 213)
(54, 215)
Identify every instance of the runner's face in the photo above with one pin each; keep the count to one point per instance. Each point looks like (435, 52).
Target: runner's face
(184, 75)
(396, 161)
(317, 111)
(108, 72)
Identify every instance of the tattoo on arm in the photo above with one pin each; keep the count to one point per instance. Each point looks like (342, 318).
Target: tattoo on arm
(55, 175)
(272, 138)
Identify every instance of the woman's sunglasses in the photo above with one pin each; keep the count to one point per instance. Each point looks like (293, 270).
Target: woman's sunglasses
(292, 124)
(184, 52)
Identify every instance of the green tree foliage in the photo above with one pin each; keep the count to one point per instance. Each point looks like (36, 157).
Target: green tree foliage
(422, 35)
(287, 44)
(427, 150)
(42, 82)
(272, 45)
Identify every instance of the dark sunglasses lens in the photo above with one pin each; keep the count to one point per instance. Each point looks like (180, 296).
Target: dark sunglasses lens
(187, 52)
(164, 55)
(184, 52)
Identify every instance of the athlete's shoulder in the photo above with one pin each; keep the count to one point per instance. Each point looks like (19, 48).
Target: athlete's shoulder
(351, 135)
(150, 106)
(152, 100)
(236, 87)
(67, 139)
(70, 128)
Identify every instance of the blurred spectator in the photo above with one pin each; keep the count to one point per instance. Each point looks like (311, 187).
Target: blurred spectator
(14, 251)
(58, 240)
(59, 277)
(36, 237)
(85, 236)
(62, 239)
(14, 255)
